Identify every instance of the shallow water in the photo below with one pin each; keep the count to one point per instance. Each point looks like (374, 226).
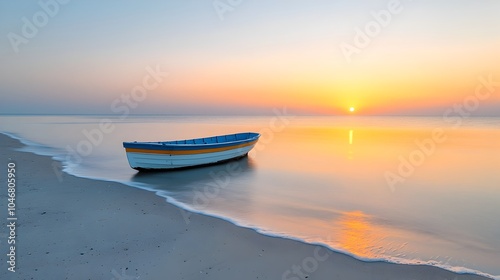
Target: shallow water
(403, 189)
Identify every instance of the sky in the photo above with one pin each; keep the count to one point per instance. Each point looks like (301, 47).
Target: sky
(408, 57)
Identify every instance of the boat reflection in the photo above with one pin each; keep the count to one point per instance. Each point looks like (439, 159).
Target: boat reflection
(178, 179)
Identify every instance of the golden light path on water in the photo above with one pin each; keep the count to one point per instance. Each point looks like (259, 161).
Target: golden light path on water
(356, 234)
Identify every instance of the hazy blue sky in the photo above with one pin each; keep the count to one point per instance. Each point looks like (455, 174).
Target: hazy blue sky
(86, 56)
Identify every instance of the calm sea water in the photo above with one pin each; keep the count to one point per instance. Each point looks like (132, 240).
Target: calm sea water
(401, 189)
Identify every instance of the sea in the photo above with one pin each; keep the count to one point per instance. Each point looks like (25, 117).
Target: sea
(409, 190)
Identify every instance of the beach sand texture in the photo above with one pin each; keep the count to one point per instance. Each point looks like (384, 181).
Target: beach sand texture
(76, 228)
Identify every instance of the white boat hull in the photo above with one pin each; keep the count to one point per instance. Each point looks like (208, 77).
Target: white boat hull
(139, 160)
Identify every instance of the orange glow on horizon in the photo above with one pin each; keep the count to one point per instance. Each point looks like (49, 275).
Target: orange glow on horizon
(371, 88)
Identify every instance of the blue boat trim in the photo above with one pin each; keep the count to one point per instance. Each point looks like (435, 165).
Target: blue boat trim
(196, 143)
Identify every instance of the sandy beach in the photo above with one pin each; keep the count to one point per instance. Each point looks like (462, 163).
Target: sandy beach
(76, 228)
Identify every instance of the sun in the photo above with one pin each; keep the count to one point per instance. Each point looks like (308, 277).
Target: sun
(352, 109)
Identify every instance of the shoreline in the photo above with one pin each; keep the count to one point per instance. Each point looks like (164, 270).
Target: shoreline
(79, 228)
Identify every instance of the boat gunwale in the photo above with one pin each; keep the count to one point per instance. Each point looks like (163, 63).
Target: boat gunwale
(171, 145)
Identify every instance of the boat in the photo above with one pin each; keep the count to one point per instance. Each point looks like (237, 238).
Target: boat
(190, 152)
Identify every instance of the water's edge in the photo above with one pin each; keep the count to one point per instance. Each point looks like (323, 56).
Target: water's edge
(58, 155)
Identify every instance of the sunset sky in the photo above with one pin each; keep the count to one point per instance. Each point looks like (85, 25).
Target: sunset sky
(420, 58)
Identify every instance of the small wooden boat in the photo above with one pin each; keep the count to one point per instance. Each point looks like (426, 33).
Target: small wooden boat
(190, 152)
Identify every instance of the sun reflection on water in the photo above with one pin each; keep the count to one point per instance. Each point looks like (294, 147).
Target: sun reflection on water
(358, 235)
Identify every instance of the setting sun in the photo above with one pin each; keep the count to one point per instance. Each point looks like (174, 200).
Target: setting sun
(352, 109)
